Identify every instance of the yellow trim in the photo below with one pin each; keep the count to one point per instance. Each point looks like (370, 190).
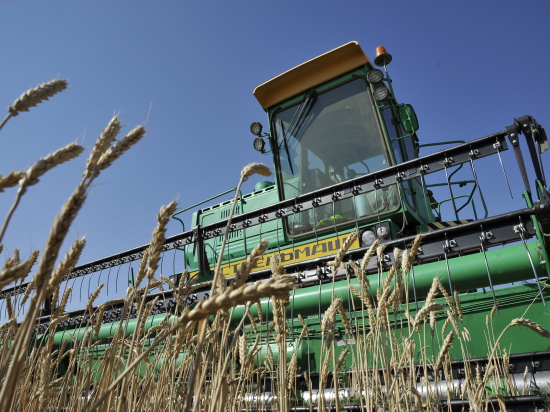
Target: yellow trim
(311, 73)
(308, 251)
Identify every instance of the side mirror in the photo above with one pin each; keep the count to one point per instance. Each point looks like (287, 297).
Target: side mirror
(408, 118)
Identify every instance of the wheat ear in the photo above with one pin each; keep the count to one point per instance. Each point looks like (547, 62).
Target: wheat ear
(10, 180)
(18, 271)
(37, 95)
(107, 136)
(416, 246)
(119, 147)
(32, 175)
(250, 264)
(445, 347)
(531, 325)
(34, 96)
(368, 255)
(426, 309)
(255, 168)
(343, 250)
(67, 264)
(158, 237)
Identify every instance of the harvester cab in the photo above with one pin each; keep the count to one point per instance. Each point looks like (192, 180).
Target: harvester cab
(335, 118)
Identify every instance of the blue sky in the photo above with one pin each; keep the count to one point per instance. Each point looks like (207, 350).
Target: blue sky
(189, 68)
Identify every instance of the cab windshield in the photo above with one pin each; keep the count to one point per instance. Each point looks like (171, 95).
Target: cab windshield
(323, 140)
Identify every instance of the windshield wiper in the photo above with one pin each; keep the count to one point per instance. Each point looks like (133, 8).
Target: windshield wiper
(286, 147)
(307, 99)
(293, 124)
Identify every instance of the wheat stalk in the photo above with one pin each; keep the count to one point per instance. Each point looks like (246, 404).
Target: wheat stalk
(275, 287)
(51, 251)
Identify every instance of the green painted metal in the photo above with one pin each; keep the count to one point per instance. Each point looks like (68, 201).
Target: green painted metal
(262, 185)
(514, 301)
(507, 265)
(540, 236)
(107, 331)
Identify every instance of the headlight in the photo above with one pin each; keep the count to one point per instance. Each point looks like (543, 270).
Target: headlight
(375, 76)
(382, 232)
(259, 144)
(368, 237)
(380, 93)
(256, 128)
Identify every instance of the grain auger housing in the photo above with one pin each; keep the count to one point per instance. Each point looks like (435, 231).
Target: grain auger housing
(347, 159)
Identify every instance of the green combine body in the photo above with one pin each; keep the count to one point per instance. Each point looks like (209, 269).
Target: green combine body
(346, 158)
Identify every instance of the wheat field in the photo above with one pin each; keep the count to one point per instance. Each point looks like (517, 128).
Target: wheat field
(194, 359)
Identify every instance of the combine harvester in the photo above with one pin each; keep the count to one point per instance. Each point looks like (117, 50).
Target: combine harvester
(346, 159)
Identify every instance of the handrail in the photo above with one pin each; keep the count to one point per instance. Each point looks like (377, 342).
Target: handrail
(439, 203)
(198, 204)
(417, 149)
(201, 203)
(470, 196)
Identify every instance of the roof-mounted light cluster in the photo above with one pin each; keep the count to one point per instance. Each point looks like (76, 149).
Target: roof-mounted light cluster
(375, 76)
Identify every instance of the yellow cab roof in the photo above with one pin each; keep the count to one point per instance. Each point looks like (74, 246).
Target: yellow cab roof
(311, 73)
